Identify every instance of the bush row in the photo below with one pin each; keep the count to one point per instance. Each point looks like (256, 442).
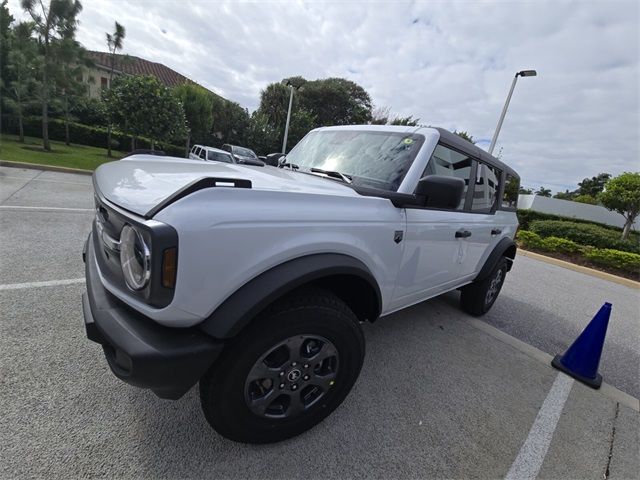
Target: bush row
(605, 257)
(584, 234)
(86, 135)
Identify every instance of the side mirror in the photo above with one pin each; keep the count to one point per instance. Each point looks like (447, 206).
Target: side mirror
(440, 191)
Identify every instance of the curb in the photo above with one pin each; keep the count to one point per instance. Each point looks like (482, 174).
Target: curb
(579, 268)
(38, 166)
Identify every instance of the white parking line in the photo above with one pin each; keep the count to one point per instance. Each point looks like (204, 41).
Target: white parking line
(60, 209)
(50, 283)
(45, 180)
(528, 462)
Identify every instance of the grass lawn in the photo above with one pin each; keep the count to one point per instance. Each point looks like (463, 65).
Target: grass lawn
(74, 156)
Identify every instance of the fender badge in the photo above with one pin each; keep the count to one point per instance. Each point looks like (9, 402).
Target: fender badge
(397, 236)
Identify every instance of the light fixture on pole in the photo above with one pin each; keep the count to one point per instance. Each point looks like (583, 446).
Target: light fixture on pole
(522, 73)
(286, 128)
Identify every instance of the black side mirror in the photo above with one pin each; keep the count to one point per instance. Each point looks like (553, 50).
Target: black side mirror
(440, 191)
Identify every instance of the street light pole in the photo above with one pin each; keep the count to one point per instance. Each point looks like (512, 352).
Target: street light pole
(523, 73)
(286, 128)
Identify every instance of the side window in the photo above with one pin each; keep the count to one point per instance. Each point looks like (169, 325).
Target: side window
(486, 188)
(203, 153)
(445, 161)
(193, 150)
(511, 190)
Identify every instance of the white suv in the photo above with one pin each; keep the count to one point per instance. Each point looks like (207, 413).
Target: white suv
(201, 152)
(254, 281)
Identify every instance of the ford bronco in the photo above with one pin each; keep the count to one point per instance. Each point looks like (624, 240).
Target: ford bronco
(254, 282)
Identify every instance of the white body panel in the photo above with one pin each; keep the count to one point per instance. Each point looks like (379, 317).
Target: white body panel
(228, 236)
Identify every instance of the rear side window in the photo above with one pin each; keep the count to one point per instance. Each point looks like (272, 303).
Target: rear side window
(511, 189)
(219, 157)
(486, 188)
(451, 163)
(202, 153)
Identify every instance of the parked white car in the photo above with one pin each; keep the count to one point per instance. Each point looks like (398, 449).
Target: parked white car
(253, 281)
(201, 152)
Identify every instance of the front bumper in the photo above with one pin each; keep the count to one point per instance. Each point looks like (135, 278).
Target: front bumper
(169, 361)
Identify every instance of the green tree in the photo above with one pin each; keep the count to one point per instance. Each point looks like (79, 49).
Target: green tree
(465, 135)
(262, 136)
(20, 66)
(543, 192)
(525, 191)
(71, 60)
(53, 23)
(6, 19)
(380, 115)
(407, 121)
(585, 199)
(197, 103)
(566, 195)
(336, 101)
(143, 107)
(593, 186)
(115, 42)
(622, 194)
(230, 121)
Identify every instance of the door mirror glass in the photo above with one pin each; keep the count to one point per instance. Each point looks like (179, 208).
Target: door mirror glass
(440, 191)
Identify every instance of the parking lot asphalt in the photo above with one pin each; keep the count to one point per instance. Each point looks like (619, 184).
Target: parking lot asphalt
(438, 396)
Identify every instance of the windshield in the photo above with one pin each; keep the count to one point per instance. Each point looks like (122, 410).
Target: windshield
(375, 159)
(219, 157)
(244, 152)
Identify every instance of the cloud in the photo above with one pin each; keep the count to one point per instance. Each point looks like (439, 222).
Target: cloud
(450, 64)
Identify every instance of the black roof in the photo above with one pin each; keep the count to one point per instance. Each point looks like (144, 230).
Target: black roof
(459, 143)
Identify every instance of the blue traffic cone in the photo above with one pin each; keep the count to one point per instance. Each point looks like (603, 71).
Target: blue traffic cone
(581, 360)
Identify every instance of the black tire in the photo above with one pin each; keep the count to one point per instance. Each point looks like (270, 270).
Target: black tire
(308, 314)
(478, 297)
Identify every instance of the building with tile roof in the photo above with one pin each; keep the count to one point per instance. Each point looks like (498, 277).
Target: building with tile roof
(97, 77)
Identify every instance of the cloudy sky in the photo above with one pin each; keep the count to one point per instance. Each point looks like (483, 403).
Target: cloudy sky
(449, 64)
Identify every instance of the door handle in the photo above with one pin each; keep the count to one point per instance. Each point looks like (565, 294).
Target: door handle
(496, 231)
(463, 234)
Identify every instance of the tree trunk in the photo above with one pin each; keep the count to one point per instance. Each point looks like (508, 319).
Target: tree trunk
(109, 140)
(66, 120)
(186, 148)
(20, 126)
(45, 109)
(627, 228)
(153, 145)
(133, 143)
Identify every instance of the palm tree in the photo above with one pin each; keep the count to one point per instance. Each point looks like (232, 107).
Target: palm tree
(114, 43)
(543, 192)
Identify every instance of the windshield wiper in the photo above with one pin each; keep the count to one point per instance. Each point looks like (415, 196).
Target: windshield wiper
(333, 174)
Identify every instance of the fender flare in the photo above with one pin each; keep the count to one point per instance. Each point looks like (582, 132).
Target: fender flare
(254, 296)
(505, 248)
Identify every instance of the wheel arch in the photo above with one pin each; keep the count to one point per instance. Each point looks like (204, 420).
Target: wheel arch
(505, 248)
(345, 276)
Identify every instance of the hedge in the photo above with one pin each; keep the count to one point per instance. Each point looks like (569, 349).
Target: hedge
(606, 257)
(86, 135)
(584, 234)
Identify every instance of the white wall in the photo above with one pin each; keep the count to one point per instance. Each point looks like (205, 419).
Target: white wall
(565, 208)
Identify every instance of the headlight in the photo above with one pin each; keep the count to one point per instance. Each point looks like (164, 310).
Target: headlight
(134, 258)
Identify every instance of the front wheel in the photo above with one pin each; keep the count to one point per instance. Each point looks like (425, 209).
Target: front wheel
(478, 297)
(287, 371)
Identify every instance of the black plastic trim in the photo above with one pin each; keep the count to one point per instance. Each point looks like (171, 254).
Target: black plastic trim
(243, 305)
(494, 257)
(169, 361)
(202, 183)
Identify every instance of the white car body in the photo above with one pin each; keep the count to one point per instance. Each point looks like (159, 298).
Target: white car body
(229, 236)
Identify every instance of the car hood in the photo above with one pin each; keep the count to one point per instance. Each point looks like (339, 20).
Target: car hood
(140, 183)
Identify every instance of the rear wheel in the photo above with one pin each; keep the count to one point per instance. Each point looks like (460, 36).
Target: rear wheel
(287, 371)
(478, 297)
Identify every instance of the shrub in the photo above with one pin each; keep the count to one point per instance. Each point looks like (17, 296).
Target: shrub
(529, 239)
(584, 234)
(92, 136)
(606, 257)
(561, 245)
(526, 216)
